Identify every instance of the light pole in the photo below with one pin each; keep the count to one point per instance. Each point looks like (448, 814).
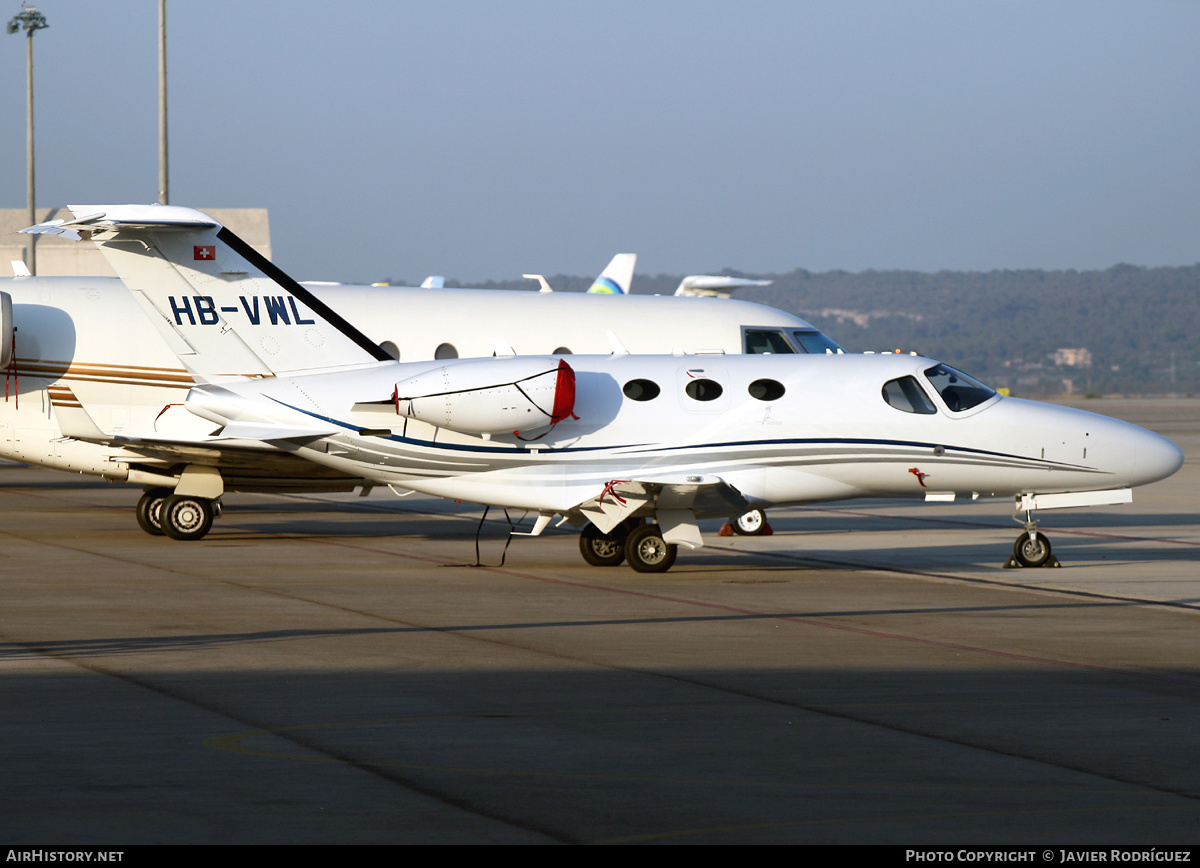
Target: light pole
(163, 188)
(29, 20)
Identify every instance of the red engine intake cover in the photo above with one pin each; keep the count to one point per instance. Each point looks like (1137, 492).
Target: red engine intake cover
(564, 393)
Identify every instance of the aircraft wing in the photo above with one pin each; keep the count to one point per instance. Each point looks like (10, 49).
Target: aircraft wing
(244, 466)
(250, 457)
(676, 500)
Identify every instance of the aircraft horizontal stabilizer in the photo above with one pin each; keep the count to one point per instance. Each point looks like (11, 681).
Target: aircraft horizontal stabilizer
(124, 217)
(714, 286)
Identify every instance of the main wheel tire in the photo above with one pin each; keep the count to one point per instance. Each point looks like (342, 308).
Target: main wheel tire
(647, 552)
(601, 549)
(750, 523)
(149, 510)
(1032, 552)
(185, 517)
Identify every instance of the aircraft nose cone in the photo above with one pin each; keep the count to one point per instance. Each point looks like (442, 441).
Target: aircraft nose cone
(1155, 458)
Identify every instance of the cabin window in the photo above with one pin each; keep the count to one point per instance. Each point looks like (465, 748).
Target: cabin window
(766, 390)
(959, 391)
(907, 395)
(815, 342)
(445, 351)
(641, 390)
(762, 341)
(391, 349)
(704, 390)
(562, 351)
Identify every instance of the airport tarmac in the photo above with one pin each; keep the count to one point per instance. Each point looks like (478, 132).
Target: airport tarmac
(331, 669)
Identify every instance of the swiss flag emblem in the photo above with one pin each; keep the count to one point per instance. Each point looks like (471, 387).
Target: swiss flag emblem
(206, 251)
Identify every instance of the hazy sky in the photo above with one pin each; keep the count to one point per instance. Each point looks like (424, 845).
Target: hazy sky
(484, 138)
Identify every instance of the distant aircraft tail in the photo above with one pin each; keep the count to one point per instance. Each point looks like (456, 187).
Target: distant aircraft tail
(222, 307)
(714, 286)
(617, 277)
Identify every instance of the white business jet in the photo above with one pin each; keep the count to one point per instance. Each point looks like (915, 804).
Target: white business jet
(91, 387)
(631, 449)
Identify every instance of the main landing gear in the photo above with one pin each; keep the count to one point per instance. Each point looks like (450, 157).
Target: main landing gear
(161, 512)
(640, 544)
(603, 549)
(752, 523)
(1031, 548)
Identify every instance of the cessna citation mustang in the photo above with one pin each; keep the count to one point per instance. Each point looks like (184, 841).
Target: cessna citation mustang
(92, 387)
(633, 450)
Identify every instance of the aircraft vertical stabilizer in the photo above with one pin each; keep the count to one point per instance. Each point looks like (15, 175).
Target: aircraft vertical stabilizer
(222, 307)
(617, 277)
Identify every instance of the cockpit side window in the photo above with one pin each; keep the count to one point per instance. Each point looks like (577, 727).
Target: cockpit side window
(959, 391)
(815, 342)
(906, 394)
(760, 341)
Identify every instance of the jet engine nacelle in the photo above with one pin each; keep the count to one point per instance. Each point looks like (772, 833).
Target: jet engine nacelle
(490, 396)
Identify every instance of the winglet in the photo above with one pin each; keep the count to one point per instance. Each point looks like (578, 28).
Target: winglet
(545, 287)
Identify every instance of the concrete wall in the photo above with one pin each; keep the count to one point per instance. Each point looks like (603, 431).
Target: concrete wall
(59, 257)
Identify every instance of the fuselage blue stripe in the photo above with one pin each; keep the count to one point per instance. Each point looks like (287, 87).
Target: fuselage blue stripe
(633, 447)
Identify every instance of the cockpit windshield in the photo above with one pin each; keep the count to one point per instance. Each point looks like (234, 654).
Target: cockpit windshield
(813, 341)
(758, 341)
(762, 341)
(959, 391)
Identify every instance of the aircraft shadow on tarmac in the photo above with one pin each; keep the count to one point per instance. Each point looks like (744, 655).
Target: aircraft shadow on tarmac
(1006, 754)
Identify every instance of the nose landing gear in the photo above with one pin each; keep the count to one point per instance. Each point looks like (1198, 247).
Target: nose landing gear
(1032, 548)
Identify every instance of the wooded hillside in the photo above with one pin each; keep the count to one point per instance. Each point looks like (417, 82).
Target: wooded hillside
(1126, 330)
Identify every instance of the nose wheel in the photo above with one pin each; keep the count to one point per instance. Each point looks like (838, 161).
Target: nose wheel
(1033, 551)
(1031, 548)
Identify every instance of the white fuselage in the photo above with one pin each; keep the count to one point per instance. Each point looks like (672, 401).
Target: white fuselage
(829, 435)
(89, 335)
